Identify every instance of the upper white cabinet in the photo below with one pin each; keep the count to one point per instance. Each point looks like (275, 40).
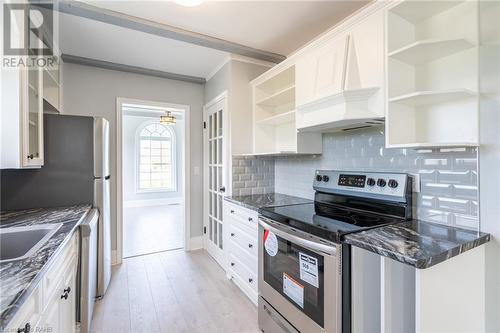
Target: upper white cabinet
(22, 111)
(432, 74)
(275, 129)
(340, 83)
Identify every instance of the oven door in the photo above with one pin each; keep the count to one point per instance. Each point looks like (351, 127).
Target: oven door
(300, 276)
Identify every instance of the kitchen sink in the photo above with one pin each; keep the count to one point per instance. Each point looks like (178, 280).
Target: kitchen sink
(18, 243)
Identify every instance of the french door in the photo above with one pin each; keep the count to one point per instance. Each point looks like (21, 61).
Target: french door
(215, 180)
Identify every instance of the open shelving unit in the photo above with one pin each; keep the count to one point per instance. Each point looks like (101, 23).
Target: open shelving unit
(432, 74)
(274, 113)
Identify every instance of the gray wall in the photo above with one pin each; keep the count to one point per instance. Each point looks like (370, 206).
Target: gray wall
(131, 124)
(448, 176)
(93, 91)
(218, 83)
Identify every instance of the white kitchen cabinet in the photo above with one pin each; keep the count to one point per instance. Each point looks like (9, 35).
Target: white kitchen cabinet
(241, 237)
(274, 125)
(432, 74)
(52, 305)
(22, 111)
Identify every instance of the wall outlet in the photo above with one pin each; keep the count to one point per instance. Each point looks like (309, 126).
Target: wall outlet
(416, 182)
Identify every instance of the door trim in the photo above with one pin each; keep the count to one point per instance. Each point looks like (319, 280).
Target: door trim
(186, 159)
(226, 160)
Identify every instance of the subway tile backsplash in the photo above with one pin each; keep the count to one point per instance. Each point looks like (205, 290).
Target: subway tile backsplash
(253, 175)
(448, 176)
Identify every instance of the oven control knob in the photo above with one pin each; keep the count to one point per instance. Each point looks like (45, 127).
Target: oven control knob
(319, 178)
(326, 179)
(370, 182)
(381, 182)
(392, 183)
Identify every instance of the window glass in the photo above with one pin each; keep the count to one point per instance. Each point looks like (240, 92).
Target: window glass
(156, 158)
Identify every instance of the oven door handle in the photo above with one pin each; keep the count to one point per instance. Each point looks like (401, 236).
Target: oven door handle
(290, 235)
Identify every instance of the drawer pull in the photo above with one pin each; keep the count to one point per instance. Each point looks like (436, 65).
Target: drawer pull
(25, 329)
(250, 246)
(250, 280)
(67, 290)
(232, 264)
(232, 211)
(232, 234)
(250, 219)
(65, 296)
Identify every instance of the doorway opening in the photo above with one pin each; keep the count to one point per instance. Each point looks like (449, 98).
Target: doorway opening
(153, 178)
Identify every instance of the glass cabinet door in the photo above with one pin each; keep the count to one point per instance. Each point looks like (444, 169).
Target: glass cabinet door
(33, 114)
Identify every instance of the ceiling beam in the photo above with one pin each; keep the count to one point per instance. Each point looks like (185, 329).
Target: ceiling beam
(130, 69)
(131, 22)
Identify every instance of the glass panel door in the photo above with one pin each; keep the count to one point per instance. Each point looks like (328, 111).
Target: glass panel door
(214, 162)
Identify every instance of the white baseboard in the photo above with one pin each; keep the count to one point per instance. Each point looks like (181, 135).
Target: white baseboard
(151, 202)
(196, 243)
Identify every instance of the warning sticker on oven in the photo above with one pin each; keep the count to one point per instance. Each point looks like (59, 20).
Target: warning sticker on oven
(309, 269)
(270, 243)
(293, 289)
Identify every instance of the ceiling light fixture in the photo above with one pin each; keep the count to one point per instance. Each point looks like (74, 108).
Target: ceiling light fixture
(167, 118)
(189, 3)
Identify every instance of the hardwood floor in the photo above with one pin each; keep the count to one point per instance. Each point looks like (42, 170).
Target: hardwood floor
(173, 291)
(152, 229)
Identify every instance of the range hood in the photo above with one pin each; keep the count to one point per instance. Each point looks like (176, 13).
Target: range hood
(349, 109)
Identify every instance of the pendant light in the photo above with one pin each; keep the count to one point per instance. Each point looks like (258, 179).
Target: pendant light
(167, 118)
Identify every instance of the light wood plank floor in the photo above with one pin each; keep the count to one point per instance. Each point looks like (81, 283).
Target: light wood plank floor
(173, 291)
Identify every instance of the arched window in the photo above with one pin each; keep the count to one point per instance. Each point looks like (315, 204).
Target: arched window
(156, 157)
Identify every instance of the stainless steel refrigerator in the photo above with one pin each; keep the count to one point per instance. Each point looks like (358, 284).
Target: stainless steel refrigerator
(76, 171)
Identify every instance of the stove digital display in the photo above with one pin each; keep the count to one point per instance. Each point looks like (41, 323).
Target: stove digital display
(352, 180)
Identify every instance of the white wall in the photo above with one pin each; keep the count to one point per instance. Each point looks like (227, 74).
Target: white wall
(131, 124)
(93, 91)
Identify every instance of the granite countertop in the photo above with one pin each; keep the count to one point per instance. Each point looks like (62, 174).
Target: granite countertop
(256, 201)
(416, 243)
(18, 278)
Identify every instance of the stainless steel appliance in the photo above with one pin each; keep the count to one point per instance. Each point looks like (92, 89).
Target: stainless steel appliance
(76, 171)
(304, 268)
(88, 269)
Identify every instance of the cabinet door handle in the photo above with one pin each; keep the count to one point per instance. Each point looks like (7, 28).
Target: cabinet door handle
(30, 156)
(232, 264)
(65, 296)
(67, 290)
(232, 211)
(250, 245)
(250, 219)
(25, 329)
(250, 280)
(232, 234)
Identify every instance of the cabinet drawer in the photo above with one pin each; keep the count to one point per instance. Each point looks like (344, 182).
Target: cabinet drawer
(245, 274)
(243, 256)
(57, 270)
(247, 242)
(246, 216)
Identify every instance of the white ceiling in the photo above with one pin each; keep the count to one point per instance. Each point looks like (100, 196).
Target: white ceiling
(275, 26)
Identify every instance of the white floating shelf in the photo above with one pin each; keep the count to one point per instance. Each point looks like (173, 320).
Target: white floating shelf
(281, 97)
(417, 11)
(429, 50)
(278, 119)
(432, 144)
(421, 98)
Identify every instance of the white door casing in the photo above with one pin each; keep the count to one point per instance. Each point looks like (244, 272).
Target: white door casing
(215, 170)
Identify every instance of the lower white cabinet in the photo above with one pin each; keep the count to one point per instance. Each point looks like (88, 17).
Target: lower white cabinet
(52, 305)
(241, 239)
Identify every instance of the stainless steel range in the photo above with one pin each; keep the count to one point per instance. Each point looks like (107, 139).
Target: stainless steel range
(304, 268)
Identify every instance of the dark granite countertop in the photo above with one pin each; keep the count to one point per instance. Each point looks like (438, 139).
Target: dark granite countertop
(256, 201)
(19, 278)
(416, 243)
